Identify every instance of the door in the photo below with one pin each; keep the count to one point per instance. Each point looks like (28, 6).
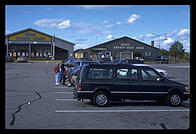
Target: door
(126, 83)
(150, 87)
(126, 55)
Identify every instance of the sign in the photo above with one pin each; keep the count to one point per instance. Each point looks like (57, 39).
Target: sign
(29, 37)
(127, 46)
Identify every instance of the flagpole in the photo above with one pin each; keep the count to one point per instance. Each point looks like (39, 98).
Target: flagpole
(53, 44)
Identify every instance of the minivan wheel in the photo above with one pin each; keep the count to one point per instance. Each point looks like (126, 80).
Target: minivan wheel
(101, 99)
(174, 99)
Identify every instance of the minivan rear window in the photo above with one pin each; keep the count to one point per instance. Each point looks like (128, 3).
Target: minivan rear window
(96, 73)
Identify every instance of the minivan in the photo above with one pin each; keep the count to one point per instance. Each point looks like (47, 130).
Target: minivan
(102, 83)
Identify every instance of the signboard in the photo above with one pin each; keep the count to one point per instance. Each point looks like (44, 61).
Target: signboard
(127, 46)
(29, 37)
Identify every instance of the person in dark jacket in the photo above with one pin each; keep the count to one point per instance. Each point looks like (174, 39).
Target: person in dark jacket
(62, 69)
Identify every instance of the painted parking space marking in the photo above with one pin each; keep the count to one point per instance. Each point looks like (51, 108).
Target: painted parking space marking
(179, 66)
(63, 92)
(119, 111)
(65, 99)
(60, 87)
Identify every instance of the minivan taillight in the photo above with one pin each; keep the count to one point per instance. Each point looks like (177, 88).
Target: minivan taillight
(79, 85)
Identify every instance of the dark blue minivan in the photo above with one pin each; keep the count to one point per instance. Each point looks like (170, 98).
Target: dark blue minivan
(102, 83)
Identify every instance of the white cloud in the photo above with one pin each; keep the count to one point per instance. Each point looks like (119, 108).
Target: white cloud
(64, 24)
(81, 46)
(118, 23)
(97, 7)
(57, 23)
(105, 21)
(150, 35)
(184, 32)
(109, 36)
(133, 18)
(168, 41)
(110, 26)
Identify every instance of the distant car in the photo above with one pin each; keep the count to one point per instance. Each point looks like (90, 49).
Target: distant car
(21, 59)
(162, 59)
(123, 61)
(140, 58)
(9, 59)
(161, 71)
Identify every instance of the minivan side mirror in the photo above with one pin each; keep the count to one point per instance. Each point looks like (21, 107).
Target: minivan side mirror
(160, 79)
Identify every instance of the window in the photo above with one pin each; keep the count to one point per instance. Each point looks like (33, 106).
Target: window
(148, 53)
(149, 74)
(134, 74)
(122, 73)
(96, 73)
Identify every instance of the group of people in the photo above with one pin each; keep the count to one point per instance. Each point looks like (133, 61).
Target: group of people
(61, 72)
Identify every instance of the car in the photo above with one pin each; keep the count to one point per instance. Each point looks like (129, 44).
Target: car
(162, 59)
(161, 71)
(9, 59)
(75, 66)
(124, 61)
(21, 59)
(140, 59)
(103, 83)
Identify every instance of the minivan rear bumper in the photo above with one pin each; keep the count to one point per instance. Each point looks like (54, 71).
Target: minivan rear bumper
(82, 94)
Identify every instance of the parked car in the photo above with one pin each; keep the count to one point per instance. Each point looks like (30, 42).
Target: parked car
(21, 59)
(9, 59)
(140, 59)
(161, 71)
(162, 59)
(75, 66)
(123, 61)
(104, 83)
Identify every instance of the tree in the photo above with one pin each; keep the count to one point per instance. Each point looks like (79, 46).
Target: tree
(176, 50)
(164, 52)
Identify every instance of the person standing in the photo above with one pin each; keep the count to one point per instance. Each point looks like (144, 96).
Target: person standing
(57, 74)
(62, 69)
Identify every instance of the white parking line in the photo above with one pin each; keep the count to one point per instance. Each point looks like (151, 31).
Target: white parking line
(179, 66)
(60, 87)
(65, 99)
(63, 92)
(116, 111)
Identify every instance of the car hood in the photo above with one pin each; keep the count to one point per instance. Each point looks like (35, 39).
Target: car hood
(177, 83)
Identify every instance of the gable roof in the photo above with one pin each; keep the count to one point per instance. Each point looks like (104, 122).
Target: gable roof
(27, 29)
(124, 37)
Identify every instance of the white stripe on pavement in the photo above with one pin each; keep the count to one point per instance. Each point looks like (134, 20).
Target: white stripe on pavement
(65, 99)
(60, 87)
(63, 92)
(109, 111)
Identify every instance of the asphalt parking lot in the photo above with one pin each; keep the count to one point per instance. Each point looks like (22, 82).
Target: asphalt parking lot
(33, 101)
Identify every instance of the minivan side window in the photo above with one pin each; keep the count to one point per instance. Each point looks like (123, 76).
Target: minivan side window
(122, 73)
(149, 74)
(96, 73)
(133, 74)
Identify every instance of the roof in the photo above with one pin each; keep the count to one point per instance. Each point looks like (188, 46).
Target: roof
(38, 32)
(124, 37)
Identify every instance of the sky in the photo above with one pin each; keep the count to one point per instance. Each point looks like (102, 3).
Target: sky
(89, 25)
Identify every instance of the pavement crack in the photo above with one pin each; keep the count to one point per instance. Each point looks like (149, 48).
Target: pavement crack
(20, 108)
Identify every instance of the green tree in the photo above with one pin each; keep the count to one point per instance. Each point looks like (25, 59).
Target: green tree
(176, 50)
(164, 52)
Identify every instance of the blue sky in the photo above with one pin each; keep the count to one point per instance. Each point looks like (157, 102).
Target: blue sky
(88, 25)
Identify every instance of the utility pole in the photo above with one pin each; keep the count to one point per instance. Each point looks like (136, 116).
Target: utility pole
(53, 44)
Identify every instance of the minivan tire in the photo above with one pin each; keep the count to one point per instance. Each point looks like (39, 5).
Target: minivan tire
(101, 99)
(174, 99)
